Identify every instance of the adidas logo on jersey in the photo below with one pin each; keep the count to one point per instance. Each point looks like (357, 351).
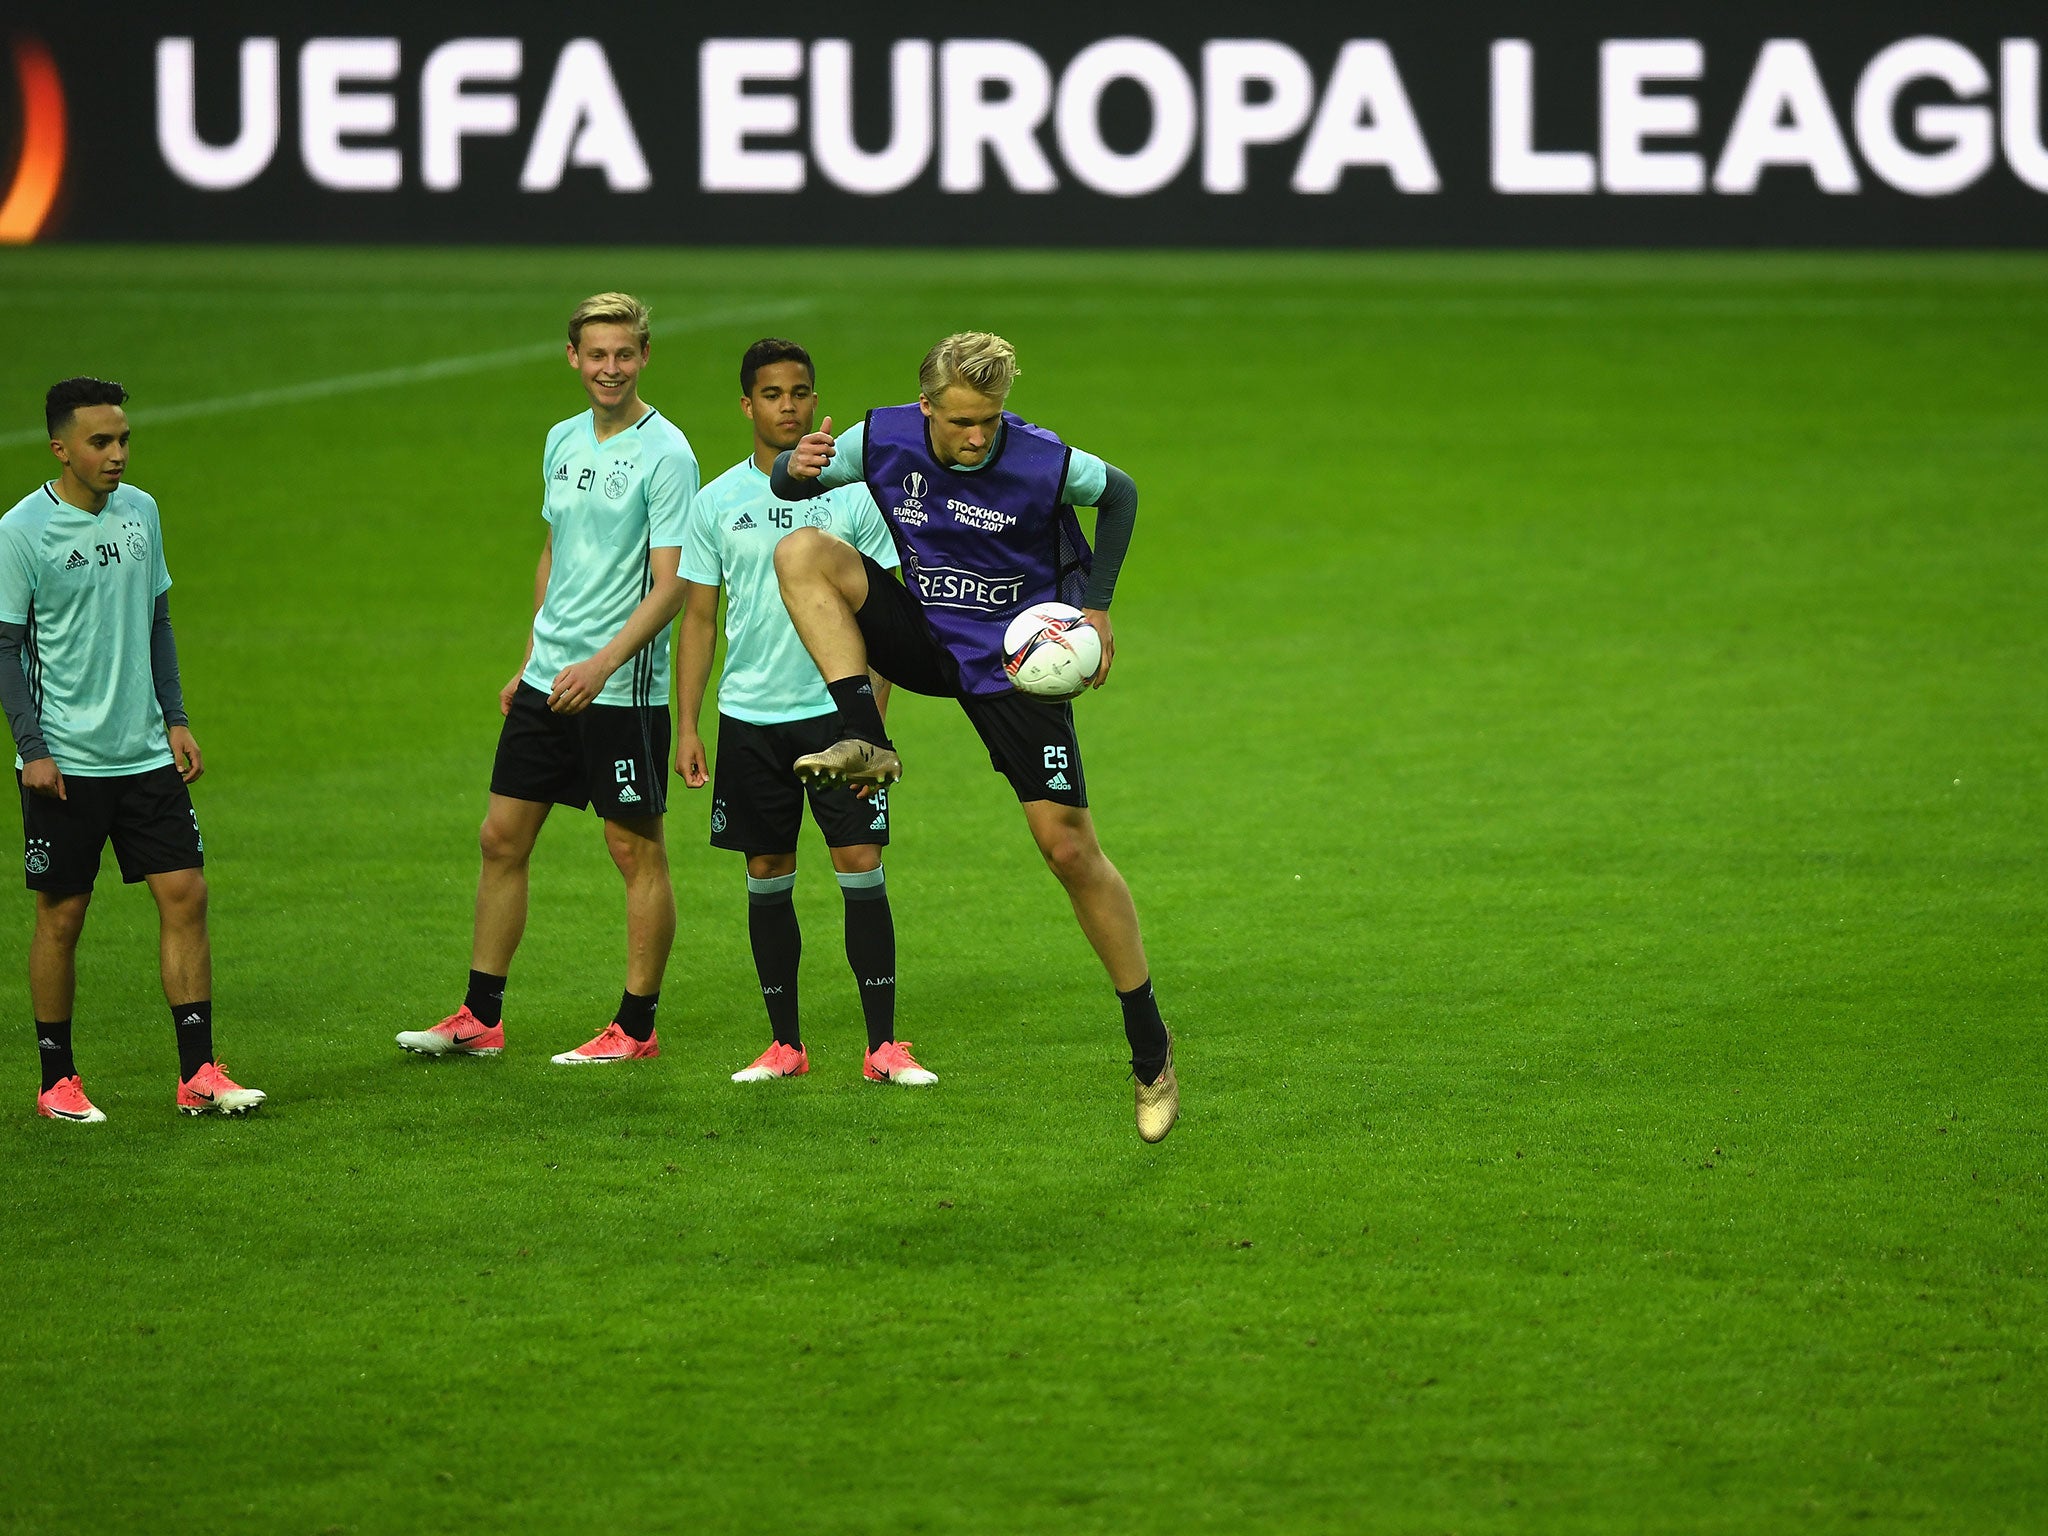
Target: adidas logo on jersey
(1058, 781)
(746, 521)
(75, 561)
(561, 472)
(627, 795)
(880, 823)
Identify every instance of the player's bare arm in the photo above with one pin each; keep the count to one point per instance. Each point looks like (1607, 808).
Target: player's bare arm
(700, 639)
(541, 572)
(575, 686)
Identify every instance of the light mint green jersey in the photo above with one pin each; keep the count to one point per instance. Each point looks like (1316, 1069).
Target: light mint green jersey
(730, 540)
(86, 585)
(1087, 475)
(610, 506)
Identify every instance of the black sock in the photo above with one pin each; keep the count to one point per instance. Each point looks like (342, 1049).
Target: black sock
(1145, 1030)
(636, 1014)
(858, 716)
(871, 951)
(485, 999)
(53, 1044)
(778, 946)
(195, 1037)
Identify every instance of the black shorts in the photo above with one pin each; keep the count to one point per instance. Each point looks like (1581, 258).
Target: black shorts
(149, 816)
(757, 803)
(1030, 741)
(611, 757)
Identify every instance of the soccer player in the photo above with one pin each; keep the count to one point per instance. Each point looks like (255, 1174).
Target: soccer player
(89, 680)
(586, 716)
(980, 503)
(772, 709)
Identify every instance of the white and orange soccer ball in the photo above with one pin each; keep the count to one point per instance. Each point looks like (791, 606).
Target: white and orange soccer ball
(1051, 650)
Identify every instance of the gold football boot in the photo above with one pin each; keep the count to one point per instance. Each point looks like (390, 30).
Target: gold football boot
(1159, 1102)
(851, 761)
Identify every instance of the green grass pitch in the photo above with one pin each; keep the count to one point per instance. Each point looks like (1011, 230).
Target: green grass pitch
(1577, 746)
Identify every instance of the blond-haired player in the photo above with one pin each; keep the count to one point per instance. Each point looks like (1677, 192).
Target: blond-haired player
(586, 715)
(980, 504)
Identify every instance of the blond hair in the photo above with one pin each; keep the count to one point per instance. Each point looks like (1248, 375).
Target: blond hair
(985, 363)
(610, 309)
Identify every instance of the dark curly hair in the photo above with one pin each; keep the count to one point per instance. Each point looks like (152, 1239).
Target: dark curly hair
(772, 349)
(68, 395)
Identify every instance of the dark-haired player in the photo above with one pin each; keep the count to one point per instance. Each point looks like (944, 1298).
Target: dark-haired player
(586, 717)
(980, 504)
(89, 680)
(773, 708)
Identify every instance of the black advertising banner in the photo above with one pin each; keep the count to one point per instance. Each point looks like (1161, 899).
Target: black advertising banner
(1701, 124)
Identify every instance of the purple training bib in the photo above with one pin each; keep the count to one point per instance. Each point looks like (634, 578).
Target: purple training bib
(978, 545)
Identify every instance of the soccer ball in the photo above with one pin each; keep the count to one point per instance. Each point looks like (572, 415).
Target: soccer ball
(1051, 650)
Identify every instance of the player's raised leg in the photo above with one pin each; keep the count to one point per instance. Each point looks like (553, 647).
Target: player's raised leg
(1102, 903)
(638, 849)
(980, 506)
(53, 987)
(187, 956)
(824, 585)
(506, 839)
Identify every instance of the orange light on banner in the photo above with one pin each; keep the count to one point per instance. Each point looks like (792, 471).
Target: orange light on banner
(41, 168)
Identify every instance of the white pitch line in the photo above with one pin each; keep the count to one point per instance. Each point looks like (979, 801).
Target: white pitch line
(415, 373)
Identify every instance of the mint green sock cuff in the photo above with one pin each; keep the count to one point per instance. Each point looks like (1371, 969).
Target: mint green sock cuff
(774, 889)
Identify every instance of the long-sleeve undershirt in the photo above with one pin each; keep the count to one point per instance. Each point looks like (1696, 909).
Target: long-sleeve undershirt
(18, 699)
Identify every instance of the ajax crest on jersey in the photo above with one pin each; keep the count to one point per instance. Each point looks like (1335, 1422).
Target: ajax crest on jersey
(1051, 650)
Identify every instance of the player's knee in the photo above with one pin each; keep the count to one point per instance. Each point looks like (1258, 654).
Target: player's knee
(773, 866)
(62, 918)
(638, 856)
(182, 900)
(501, 844)
(801, 553)
(860, 859)
(1069, 854)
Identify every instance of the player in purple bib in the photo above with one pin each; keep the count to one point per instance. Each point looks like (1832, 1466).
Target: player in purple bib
(980, 504)
(982, 541)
